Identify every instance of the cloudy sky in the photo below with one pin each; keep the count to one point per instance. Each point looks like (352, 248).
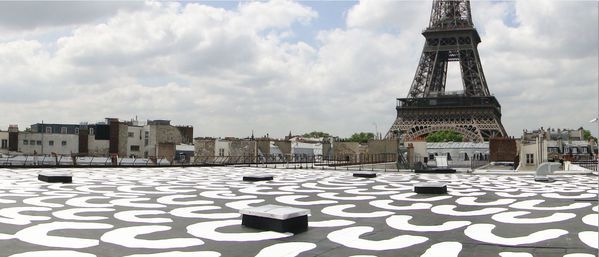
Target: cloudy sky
(228, 68)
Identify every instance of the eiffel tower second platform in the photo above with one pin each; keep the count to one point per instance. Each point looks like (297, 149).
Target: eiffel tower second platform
(476, 118)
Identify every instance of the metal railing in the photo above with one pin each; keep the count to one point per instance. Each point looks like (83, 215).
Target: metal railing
(78, 161)
(470, 163)
(108, 161)
(333, 160)
(589, 165)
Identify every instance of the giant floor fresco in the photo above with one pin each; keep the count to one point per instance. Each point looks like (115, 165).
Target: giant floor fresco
(179, 212)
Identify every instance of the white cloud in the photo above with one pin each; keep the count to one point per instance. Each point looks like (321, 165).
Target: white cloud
(25, 15)
(230, 71)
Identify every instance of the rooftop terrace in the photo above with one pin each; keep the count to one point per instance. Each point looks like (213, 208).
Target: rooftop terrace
(179, 212)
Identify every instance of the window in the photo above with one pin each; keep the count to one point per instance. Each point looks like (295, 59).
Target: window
(4, 143)
(131, 134)
(76, 130)
(466, 158)
(39, 142)
(584, 150)
(63, 130)
(91, 131)
(147, 134)
(134, 148)
(146, 142)
(64, 143)
(574, 150)
(25, 142)
(32, 142)
(530, 158)
(221, 152)
(431, 156)
(448, 157)
(48, 129)
(51, 142)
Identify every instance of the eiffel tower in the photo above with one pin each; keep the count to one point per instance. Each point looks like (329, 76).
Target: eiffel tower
(473, 112)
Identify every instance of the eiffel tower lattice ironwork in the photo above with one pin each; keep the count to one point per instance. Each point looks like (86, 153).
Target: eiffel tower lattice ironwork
(473, 112)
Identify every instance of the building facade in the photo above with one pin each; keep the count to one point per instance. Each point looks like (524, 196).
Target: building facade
(4, 142)
(543, 145)
(155, 140)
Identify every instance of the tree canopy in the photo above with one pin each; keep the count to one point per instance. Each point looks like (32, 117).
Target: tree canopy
(316, 134)
(587, 135)
(444, 136)
(361, 137)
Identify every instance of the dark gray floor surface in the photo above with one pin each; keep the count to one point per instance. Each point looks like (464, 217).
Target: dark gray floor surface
(34, 214)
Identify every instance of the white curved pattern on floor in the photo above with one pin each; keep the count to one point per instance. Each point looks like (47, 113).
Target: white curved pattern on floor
(82, 202)
(472, 201)
(334, 196)
(401, 222)
(39, 201)
(350, 237)
(226, 194)
(133, 216)
(6, 237)
(445, 249)
(61, 253)
(330, 223)
(590, 238)
(511, 217)
(132, 202)
(262, 191)
(484, 233)
(339, 211)
(127, 237)
(449, 210)
(170, 199)
(286, 249)
(190, 212)
(179, 254)
(238, 205)
(292, 199)
(363, 191)
(71, 214)
(386, 204)
(38, 234)
(207, 230)
(580, 255)
(531, 205)
(591, 219)
(559, 196)
(515, 254)
(409, 197)
(13, 215)
(510, 195)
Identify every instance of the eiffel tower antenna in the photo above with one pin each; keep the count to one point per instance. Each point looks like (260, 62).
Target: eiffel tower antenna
(473, 112)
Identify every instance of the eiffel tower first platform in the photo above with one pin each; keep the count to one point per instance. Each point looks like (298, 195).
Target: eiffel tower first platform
(473, 112)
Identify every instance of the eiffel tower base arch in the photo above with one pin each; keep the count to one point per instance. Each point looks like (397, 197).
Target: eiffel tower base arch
(476, 118)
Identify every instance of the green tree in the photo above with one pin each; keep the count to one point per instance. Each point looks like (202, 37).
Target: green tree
(361, 137)
(444, 136)
(316, 134)
(587, 135)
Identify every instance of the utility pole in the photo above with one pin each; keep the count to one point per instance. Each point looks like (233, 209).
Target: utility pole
(42, 129)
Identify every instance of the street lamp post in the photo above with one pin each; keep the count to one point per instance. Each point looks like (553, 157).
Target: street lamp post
(376, 130)
(596, 120)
